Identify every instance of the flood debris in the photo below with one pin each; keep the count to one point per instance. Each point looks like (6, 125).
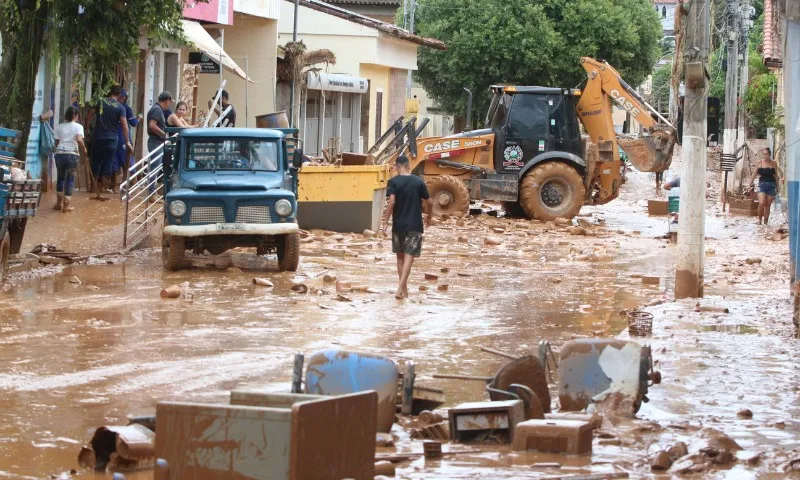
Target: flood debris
(74, 280)
(119, 449)
(492, 241)
(612, 374)
(485, 422)
(432, 449)
(299, 288)
(678, 450)
(384, 439)
(173, 291)
(384, 468)
(556, 436)
(431, 277)
(661, 461)
(263, 282)
(745, 413)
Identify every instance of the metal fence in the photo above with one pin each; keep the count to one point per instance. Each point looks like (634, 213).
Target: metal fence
(143, 200)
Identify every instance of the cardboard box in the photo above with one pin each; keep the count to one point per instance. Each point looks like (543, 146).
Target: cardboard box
(657, 207)
(550, 435)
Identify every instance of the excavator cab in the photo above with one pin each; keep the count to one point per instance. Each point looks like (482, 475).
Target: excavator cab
(529, 122)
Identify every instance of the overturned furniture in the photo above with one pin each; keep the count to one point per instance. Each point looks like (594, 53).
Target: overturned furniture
(285, 436)
(119, 449)
(339, 372)
(612, 373)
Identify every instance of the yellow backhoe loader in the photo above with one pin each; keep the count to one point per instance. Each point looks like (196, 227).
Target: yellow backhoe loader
(531, 154)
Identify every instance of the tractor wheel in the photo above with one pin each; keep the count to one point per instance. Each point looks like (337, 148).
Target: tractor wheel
(5, 251)
(552, 190)
(450, 196)
(288, 252)
(513, 210)
(173, 251)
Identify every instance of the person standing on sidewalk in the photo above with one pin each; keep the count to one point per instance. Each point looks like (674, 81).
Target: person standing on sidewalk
(408, 197)
(69, 149)
(110, 116)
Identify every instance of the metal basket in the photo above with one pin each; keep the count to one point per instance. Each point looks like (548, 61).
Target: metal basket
(640, 324)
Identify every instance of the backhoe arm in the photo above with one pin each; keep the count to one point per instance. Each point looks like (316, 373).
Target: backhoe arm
(604, 86)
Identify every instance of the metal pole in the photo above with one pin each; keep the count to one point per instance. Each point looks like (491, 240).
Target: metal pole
(691, 228)
(246, 96)
(791, 101)
(291, 84)
(412, 10)
(221, 52)
(744, 78)
(731, 85)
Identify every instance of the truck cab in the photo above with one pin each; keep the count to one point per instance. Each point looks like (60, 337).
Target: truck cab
(231, 188)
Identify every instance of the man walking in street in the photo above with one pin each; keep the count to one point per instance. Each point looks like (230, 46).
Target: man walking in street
(110, 116)
(408, 197)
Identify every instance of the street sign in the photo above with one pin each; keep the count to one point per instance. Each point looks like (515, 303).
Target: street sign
(207, 64)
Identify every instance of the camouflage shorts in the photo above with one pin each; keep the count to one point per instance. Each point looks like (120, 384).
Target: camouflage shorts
(409, 243)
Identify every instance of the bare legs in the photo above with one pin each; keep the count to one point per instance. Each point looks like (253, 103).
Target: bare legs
(764, 207)
(404, 263)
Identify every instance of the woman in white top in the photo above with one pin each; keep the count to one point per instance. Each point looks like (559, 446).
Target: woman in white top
(69, 149)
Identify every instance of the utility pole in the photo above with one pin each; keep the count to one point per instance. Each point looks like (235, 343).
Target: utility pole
(791, 86)
(291, 84)
(691, 216)
(412, 10)
(744, 79)
(731, 85)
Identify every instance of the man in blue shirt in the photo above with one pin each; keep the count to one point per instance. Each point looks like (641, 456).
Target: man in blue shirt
(109, 118)
(120, 164)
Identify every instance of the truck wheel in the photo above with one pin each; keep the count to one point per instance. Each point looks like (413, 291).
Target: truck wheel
(173, 251)
(5, 251)
(552, 190)
(450, 195)
(288, 252)
(513, 210)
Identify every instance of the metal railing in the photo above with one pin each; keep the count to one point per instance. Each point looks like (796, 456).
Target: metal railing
(140, 193)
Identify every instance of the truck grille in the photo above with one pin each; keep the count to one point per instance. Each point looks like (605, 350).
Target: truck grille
(207, 215)
(253, 214)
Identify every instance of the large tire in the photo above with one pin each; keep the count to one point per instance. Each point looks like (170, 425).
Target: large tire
(552, 190)
(288, 252)
(173, 252)
(5, 252)
(450, 196)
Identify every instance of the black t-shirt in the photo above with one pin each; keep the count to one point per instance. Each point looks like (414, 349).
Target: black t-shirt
(107, 120)
(155, 113)
(408, 191)
(229, 119)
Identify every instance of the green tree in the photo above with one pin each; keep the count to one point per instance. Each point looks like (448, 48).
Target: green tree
(102, 34)
(660, 89)
(530, 43)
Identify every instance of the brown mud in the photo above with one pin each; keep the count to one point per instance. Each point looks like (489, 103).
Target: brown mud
(78, 356)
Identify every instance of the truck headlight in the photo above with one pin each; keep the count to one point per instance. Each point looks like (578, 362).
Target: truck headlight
(177, 208)
(283, 207)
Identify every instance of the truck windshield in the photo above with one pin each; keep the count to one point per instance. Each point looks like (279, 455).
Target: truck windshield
(232, 154)
(498, 110)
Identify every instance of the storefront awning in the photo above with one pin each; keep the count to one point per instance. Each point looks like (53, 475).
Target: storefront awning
(336, 82)
(198, 37)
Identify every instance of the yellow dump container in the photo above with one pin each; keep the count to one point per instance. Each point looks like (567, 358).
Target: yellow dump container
(342, 199)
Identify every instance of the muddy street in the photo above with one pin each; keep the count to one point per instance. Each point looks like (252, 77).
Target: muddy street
(77, 356)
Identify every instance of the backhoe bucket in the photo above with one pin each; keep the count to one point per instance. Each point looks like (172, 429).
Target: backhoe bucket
(653, 153)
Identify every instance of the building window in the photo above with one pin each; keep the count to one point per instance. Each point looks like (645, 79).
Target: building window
(663, 12)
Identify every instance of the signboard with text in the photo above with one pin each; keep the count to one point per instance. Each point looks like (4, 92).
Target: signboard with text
(207, 64)
(214, 11)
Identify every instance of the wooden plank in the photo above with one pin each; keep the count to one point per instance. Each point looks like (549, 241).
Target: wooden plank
(334, 438)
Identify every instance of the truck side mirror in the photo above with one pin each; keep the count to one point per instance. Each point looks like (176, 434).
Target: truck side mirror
(297, 159)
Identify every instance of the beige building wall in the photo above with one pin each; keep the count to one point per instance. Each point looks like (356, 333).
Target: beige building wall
(378, 83)
(252, 42)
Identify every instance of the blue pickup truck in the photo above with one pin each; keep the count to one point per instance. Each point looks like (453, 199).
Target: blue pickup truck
(229, 188)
